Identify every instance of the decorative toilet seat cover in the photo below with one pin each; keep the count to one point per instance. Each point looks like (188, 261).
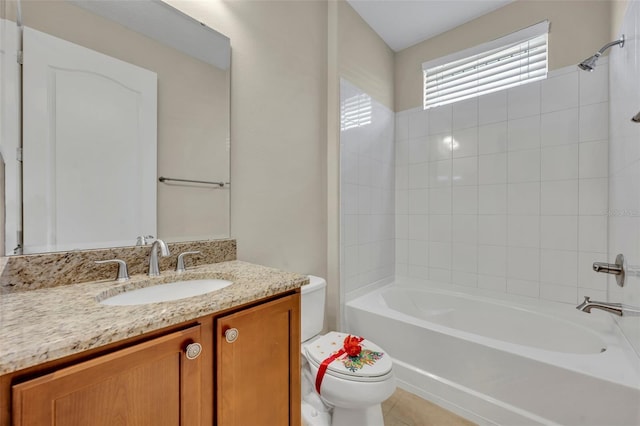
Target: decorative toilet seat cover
(370, 362)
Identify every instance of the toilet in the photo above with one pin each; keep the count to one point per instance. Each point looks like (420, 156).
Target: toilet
(351, 388)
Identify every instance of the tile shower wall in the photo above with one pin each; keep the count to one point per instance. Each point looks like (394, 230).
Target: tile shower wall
(624, 169)
(366, 191)
(508, 191)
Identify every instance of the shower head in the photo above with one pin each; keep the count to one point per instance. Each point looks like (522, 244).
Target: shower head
(590, 63)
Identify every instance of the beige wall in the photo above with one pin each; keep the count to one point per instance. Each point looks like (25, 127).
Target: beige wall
(578, 29)
(363, 57)
(358, 54)
(193, 116)
(618, 9)
(278, 128)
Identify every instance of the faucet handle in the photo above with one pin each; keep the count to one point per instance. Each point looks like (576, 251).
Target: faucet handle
(180, 266)
(123, 273)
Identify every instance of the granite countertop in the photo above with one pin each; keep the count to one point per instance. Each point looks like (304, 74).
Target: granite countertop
(41, 325)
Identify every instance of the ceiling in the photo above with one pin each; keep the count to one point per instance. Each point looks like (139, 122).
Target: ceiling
(403, 23)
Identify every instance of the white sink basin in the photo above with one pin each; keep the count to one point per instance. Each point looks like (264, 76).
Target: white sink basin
(166, 292)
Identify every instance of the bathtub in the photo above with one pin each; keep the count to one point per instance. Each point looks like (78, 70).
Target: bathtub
(500, 359)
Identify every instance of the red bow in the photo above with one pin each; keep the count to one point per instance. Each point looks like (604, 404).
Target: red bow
(351, 346)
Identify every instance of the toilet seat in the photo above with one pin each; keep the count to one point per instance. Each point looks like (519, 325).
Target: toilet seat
(378, 369)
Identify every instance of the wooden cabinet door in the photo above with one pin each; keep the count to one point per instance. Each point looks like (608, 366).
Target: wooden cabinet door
(149, 384)
(258, 374)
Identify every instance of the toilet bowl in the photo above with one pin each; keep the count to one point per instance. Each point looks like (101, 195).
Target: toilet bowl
(350, 389)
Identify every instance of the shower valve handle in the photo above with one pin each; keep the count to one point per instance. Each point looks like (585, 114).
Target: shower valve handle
(616, 269)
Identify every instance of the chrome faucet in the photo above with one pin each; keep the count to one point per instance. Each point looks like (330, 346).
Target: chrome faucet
(587, 305)
(154, 269)
(613, 308)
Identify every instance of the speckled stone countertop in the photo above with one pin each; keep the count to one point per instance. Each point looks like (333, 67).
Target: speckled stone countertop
(41, 325)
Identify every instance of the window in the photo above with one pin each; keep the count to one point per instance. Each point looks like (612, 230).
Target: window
(509, 61)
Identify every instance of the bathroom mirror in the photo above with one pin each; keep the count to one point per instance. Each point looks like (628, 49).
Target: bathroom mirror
(185, 68)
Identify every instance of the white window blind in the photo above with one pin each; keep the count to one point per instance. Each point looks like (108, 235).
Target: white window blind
(509, 61)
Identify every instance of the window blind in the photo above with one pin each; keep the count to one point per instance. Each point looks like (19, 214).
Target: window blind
(510, 61)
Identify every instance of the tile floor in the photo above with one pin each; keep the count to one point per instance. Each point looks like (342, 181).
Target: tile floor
(407, 409)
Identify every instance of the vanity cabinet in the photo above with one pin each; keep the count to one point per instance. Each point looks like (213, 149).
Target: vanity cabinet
(154, 381)
(253, 379)
(258, 368)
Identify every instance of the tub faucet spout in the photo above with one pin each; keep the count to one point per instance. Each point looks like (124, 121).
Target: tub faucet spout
(587, 305)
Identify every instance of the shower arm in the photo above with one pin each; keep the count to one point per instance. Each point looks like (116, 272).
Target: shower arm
(620, 41)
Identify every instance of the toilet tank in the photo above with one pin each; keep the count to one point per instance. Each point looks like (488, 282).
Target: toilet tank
(312, 307)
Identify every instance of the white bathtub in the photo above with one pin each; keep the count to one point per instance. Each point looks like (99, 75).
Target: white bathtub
(498, 359)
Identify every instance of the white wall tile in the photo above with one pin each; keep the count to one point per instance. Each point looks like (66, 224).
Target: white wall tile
(492, 169)
(440, 200)
(464, 229)
(559, 293)
(402, 126)
(350, 229)
(465, 114)
(440, 255)
(559, 267)
(464, 257)
(402, 201)
(492, 230)
(559, 197)
(468, 279)
(419, 175)
(523, 101)
(587, 277)
(492, 107)
(418, 227)
(559, 232)
(418, 253)
(440, 228)
(592, 233)
(420, 272)
(489, 282)
(523, 263)
(418, 150)
(559, 162)
(418, 201)
(439, 146)
(465, 200)
(560, 127)
(523, 198)
(402, 153)
(402, 226)
(560, 92)
(593, 196)
(594, 159)
(465, 171)
(417, 124)
(402, 177)
(492, 199)
(492, 138)
(524, 166)
(524, 133)
(440, 275)
(594, 122)
(523, 231)
(594, 86)
(440, 119)
(523, 287)
(465, 142)
(492, 260)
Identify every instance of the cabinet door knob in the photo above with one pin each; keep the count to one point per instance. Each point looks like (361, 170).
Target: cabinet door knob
(192, 351)
(231, 335)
